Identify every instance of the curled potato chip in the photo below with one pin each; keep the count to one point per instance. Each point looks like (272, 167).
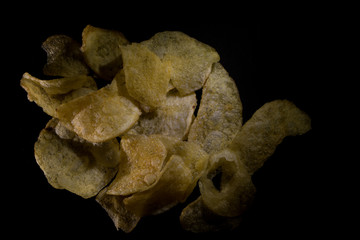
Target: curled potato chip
(257, 139)
(173, 118)
(64, 57)
(49, 94)
(100, 115)
(220, 112)
(190, 59)
(146, 76)
(77, 166)
(143, 158)
(114, 206)
(235, 191)
(101, 48)
(196, 217)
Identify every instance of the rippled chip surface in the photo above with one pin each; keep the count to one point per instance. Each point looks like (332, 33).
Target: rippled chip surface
(101, 48)
(270, 124)
(75, 164)
(146, 76)
(220, 113)
(190, 59)
(142, 159)
(64, 57)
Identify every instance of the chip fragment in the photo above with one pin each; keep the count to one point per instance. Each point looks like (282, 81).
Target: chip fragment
(190, 59)
(75, 164)
(258, 138)
(64, 57)
(220, 112)
(101, 48)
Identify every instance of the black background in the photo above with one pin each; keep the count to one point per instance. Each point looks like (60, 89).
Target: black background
(268, 60)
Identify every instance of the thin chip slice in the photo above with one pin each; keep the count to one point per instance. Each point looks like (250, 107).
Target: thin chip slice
(64, 57)
(147, 77)
(173, 119)
(77, 166)
(190, 59)
(100, 115)
(143, 159)
(101, 48)
(49, 94)
(270, 124)
(196, 217)
(220, 112)
(236, 190)
(123, 218)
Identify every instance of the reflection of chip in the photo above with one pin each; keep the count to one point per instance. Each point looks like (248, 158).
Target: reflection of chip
(220, 112)
(64, 57)
(270, 124)
(190, 59)
(101, 48)
(78, 166)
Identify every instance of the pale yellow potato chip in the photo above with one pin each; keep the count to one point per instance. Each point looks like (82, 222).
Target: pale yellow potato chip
(190, 59)
(75, 164)
(146, 76)
(49, 94)
(64, 57)
(123, 218)
(100, 115)
(101, 48)
(173, 118)
(220, 112)
(236, 190)
(143, 158)
(258, 138)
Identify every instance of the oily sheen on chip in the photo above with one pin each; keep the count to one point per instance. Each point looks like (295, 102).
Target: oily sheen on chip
(136, 145)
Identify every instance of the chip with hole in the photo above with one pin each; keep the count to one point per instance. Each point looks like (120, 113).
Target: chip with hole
(143, 158)
(190, 60)
(146, 76)
(220, 112)
(74, 164)
(258, 138)
(64, 57)
(101, 48)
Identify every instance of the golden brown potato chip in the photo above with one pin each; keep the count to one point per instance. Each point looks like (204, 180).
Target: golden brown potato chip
(147, 77)
(143, 158)
(114, 206)
(196, 217)
(174, 118)
(64, 57)
(235, 191)
(101, 48)
(270, 124)
(100, 115)
(220, 112)
(49, 94)
(190, 59)
(75, 164)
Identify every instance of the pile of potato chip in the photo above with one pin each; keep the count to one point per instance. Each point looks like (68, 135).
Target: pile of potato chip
(148, 105)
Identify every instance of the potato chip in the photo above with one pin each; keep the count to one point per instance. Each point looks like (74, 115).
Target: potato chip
(49, 94)
(190, 59)
(101, 48)
(147, 77)
(270, 124)
(236, 189)
(100, 115)
(196, 217)
(64, 57)
(114, 206)
(143, 159)
(171, 119)
(77, 166)
(220, 112)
